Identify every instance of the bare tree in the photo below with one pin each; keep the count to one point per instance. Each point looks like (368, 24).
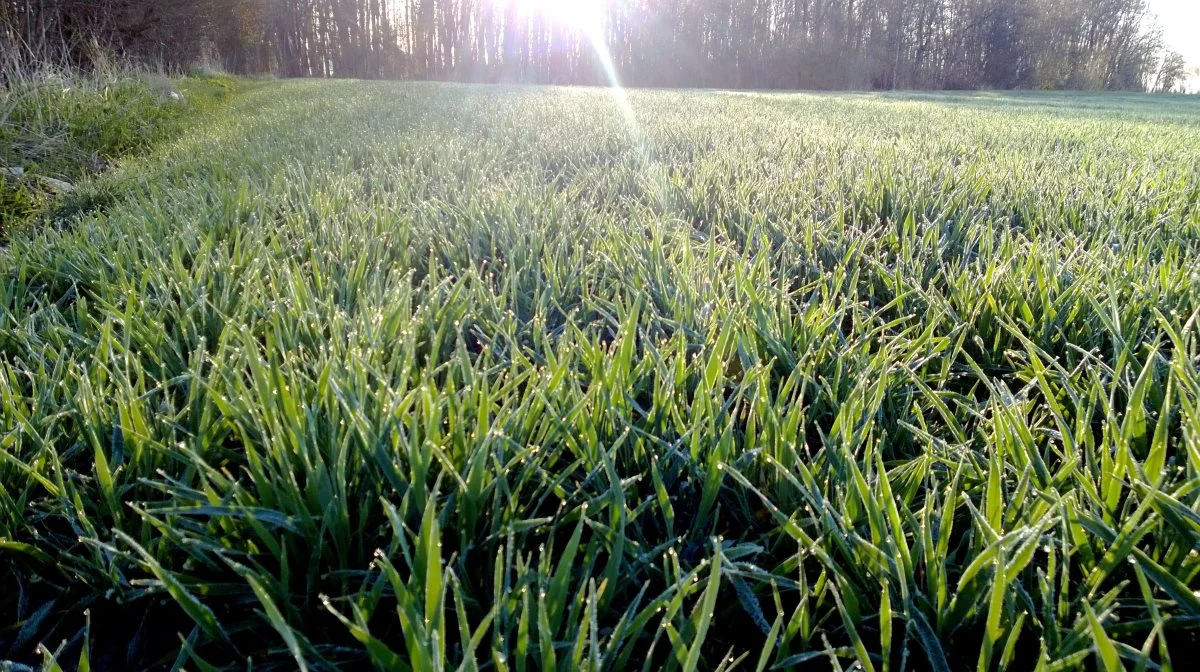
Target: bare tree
(1172, 73)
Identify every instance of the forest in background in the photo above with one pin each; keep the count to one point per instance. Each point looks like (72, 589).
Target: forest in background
(793, 44)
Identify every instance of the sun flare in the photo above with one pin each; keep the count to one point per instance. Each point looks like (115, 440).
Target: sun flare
(584, 15)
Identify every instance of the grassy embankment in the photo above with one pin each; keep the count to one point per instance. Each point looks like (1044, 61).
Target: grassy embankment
(431, 375)
(58, 129)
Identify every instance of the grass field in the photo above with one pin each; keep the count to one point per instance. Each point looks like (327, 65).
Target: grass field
(451, 377)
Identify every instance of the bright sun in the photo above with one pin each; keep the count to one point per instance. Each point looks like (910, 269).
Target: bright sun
(586, 15)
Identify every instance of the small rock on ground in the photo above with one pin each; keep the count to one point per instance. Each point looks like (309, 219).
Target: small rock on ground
(56, 186)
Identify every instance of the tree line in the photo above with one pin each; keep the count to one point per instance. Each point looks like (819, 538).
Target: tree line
(807, 44)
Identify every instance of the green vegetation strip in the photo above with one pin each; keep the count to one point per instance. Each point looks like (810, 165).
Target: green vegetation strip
(454, 377)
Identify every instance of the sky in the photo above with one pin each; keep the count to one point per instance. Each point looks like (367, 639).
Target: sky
(1180, 20)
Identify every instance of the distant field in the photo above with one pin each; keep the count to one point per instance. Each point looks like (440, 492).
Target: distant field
(528, 378)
